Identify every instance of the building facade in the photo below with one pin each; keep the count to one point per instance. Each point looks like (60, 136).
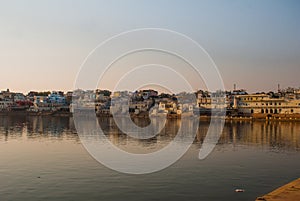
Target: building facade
(264, 104)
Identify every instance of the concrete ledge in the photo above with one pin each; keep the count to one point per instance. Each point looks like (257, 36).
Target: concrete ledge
(288, 192)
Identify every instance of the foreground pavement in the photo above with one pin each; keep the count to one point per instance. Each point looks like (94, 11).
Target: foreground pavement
(288, 192)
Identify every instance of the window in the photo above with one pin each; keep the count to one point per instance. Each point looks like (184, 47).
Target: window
(267, 111)
(271, 111)
(275, 103)
(266, 104)
(292, 110)
(279, 103)
(270, 103)
(252, 111)
(262, 111)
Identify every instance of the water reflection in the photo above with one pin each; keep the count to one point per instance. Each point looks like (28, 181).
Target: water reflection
(273, 135)
(34, 127)
(276, 136)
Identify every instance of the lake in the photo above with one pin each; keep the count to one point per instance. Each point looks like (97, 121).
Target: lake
(42, 158)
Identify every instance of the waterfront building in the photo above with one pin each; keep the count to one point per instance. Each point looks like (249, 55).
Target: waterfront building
(19, 97)
(217, 100)
(6, 105)
(137, 107)
(264, 104)
(6, 95)
(68, 97)
(56, 98)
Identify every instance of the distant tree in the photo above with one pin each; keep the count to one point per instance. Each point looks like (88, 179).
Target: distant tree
(43, 93)
(104, 92)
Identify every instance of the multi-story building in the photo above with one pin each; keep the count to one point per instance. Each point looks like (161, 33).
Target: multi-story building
(264, 104)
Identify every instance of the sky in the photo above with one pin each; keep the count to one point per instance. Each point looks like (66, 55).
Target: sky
(254, 43)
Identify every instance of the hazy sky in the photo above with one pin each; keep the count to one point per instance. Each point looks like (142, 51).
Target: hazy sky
(255, 43)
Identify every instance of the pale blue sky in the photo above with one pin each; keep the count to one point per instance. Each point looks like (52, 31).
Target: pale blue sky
(255, 44)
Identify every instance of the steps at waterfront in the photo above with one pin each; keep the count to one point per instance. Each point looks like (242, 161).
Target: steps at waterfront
(288, 192)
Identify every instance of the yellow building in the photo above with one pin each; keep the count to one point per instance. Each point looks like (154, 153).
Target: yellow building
(263, 104)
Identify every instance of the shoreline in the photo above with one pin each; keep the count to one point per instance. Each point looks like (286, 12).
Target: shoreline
(255, 117)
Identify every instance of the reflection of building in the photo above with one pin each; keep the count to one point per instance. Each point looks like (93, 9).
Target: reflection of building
(276, 135)
(36, 127)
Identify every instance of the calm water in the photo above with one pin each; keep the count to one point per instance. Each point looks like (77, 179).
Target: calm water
(42, 159)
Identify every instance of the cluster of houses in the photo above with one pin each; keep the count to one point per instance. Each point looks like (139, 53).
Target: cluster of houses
(35, 101)
(141, 102)
(236, 103)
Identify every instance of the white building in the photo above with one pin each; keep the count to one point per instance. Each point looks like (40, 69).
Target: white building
(6, 104)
